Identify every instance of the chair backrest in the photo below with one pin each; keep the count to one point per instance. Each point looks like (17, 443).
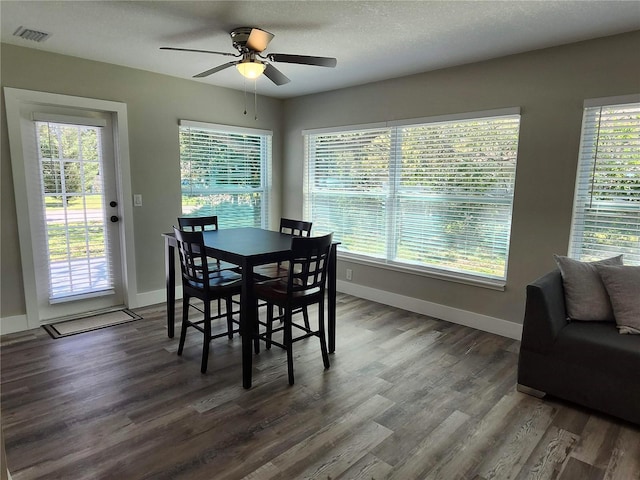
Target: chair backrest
(297, 228)
(308, 263)
(193, 259)
(198, 224)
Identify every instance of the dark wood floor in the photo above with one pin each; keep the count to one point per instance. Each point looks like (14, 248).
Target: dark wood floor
(407, 397)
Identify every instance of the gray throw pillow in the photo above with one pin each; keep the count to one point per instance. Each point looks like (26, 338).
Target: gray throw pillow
(623, 286)
(585, 295)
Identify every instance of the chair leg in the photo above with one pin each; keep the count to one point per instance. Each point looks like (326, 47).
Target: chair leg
(305, 315)
(256, 331)
(288, 343)
(269, 325)
(238, 302)
(185, 321)
(229, 305)
(207, 336)
(323, 340)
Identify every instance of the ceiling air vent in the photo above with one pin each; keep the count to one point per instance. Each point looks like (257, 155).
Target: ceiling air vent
(30, 34)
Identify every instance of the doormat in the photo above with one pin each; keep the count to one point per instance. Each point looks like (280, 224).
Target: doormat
(88, 324)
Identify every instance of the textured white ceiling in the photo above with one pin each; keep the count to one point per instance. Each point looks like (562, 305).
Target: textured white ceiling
(372, 40)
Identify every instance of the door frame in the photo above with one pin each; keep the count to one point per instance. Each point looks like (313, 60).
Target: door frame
(15, 100)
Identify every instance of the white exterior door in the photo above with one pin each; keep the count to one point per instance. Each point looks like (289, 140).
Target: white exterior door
(78, 257)
(70, 209)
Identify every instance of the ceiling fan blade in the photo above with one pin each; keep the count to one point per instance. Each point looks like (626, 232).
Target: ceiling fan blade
(258, 39)
(303, 59)
(211, 71)
(200, 51)
(275, 75)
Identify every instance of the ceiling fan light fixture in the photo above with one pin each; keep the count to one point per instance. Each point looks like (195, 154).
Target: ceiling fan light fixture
(251, 42)
(251, 69)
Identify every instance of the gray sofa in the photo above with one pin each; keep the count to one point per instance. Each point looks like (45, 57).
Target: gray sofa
(589, 363)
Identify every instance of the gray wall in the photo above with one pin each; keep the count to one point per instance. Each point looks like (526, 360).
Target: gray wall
(550, 86)
(155, 103)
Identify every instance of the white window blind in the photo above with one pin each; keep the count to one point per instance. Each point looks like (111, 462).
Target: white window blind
(225, 172)
(606, 215)
(433, 196)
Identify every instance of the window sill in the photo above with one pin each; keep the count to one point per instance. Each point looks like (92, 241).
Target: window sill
(491, 284)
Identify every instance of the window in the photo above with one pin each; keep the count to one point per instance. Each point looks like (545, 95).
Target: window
(434, 196)
(606, 212)
(225, 171)
(72, 192)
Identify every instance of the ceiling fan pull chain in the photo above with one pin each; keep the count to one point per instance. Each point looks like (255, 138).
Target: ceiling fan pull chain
(255, 99)
(245, 95)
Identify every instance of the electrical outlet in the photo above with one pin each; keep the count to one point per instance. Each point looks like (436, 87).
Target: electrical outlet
(349, 274)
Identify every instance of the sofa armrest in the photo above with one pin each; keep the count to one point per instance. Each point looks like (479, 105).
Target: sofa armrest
(545, 313)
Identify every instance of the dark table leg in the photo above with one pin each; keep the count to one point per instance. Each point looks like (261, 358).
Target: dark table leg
(332, 298)
(170, 271)
(247, 321)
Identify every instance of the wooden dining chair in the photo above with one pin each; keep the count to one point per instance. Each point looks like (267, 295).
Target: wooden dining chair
(198, 281)
(298, 228)
(304, 286)
(198, 224)
(203, 224)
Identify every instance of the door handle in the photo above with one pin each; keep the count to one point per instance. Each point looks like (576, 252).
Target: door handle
(113, 203)
(114, 218)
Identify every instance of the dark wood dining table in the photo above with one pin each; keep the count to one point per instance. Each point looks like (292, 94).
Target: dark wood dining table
(247, 248)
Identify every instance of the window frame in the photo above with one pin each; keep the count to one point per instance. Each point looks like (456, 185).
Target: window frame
(266, 155)
(585, 172)
(389, 262)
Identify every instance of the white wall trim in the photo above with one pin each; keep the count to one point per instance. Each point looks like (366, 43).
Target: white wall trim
(454, 315)
(15, 101)
(478, 321)
(609, 101)
(154, 297)
(17, 323)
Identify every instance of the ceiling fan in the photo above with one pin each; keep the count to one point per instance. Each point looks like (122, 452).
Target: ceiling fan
(250, 42)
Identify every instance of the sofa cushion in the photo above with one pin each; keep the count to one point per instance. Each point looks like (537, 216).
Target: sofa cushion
(585, 295)
(623, 286)
(599, 347)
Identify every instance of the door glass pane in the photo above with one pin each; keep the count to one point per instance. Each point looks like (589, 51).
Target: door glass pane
(72, 191)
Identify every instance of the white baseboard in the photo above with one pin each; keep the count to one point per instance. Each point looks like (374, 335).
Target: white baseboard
(442, 312)
(454, 315)
(153, 297)
(17, 323)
